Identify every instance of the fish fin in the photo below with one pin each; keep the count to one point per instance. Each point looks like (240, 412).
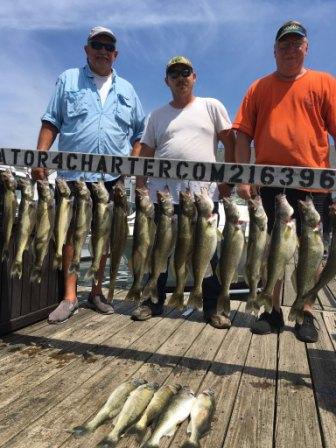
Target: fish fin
(252, 306)
(265, 299)
(57, 264)
(74, 269)
(5, 254)
(171, 432)
(176, 300)
(189, 427)
(223, 304)
(79, 431)
(16, 269)
(35, 275)
(293, 280)
(91, 274)
(195, 300)
(134, 294)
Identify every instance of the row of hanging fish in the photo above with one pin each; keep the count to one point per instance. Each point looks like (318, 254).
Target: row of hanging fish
(194, 243)
(40, 221)
(152, 412)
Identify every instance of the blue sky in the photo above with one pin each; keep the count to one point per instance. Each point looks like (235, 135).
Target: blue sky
(229, 41)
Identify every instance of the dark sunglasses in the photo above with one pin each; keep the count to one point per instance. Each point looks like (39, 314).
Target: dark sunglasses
(175, 73)
(99, 45)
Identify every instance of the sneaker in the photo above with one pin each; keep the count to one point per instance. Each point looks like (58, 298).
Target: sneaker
(65, 309)
(100, 304)
(219, 321)
(307, 331)
(268, 323)
(147, 310)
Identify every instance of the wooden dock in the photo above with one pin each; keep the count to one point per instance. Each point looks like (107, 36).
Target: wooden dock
(271, 391)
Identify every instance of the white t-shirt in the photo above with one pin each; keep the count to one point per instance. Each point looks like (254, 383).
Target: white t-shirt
(103, 84)
(186, 134)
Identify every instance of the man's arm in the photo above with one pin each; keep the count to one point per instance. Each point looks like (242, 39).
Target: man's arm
(243, 155)
(144, 151)
(46, 138)
(228, 138)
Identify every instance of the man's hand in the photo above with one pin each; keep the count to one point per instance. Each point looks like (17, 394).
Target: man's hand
(244, 191)
(39, 173)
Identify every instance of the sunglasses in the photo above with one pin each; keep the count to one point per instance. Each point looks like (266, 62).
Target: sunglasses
(175, 73)
(99, 45)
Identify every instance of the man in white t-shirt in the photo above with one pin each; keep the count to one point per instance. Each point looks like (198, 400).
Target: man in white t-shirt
(188, 128)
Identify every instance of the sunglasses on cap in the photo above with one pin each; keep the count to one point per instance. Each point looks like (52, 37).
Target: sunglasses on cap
(99, 45)
(176, 73)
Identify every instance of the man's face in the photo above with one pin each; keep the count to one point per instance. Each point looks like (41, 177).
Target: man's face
(180, 79)
(101, 57)
(290, 52)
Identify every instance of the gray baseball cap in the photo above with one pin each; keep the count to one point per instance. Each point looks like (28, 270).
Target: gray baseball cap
(101, 30)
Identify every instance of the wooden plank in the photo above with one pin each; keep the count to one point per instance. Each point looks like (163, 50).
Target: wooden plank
(119, 360)
(13, 342)
(322, 360)
(332, 287)
(296, 414)
(330, 323)
(252, 419)
(50, 361)
(327, 299)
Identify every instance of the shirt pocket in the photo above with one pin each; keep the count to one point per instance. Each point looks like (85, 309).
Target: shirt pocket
(76, 104)
(124, 112)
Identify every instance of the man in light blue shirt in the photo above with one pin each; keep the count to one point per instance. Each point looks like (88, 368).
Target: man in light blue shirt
(94, 111)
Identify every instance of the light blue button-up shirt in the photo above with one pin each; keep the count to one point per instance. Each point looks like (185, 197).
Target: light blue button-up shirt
(86, 126)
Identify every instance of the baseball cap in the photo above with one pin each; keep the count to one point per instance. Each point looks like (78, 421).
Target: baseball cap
(101, 30)
(178, 60)
(291, 27)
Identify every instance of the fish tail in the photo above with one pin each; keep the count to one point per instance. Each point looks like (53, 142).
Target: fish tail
(195, 300)
(134, 294)
(74, 269)
(140, 429)
(36, 275)
(266, 299)
(111, 286)
(176, 300)
(16, 269)
(79, 431)
(57, 264)
(296, 311)
(252, 306)
(5, 254)
(150, 292)
(223, 304)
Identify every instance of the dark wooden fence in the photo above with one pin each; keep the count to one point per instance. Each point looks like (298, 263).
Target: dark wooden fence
(21, 302)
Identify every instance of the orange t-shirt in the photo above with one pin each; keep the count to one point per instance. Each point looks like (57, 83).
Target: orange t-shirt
(289, 121)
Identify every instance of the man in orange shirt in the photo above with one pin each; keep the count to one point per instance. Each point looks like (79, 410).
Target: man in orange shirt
(288, 114)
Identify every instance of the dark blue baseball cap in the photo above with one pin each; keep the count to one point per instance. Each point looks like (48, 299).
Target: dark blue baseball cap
(291, 27)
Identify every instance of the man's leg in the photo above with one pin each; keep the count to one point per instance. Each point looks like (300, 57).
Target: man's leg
(68, 304)
(96, 299)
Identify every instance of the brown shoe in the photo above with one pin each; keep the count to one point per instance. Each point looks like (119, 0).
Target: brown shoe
(147, 310)
(219, 321)
(100, 304)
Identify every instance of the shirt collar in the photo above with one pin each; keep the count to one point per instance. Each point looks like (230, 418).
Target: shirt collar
(88, 72)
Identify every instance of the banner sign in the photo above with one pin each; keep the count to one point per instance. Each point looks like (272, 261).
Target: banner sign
(272, 175)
